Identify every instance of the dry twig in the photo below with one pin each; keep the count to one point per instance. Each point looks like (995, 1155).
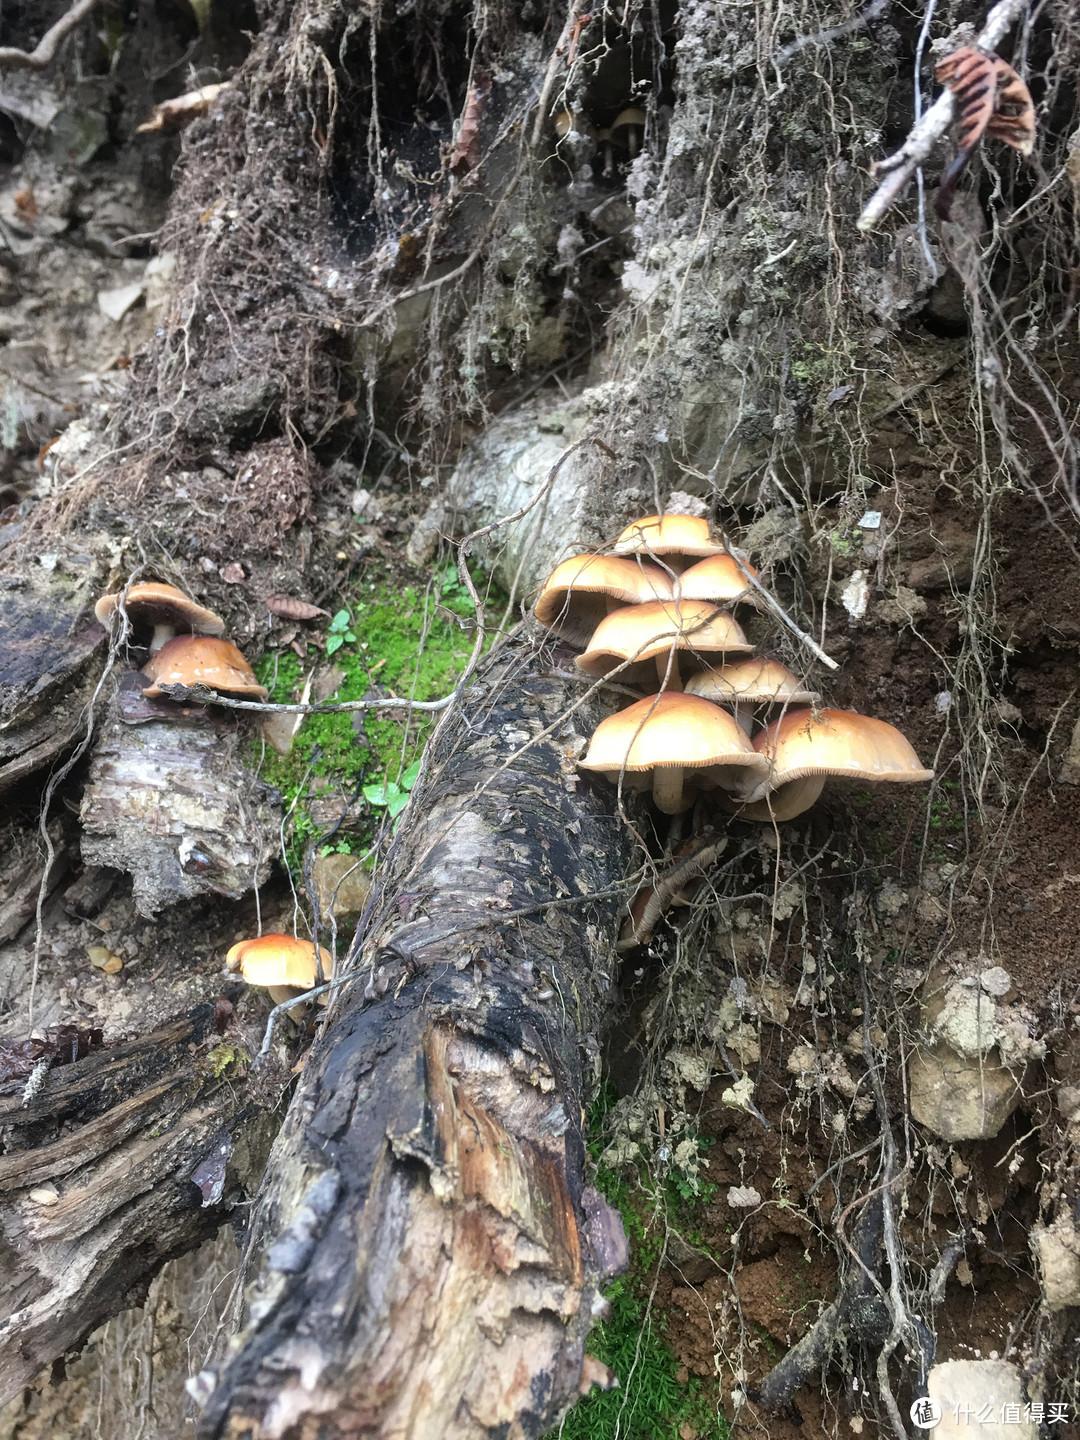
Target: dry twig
(899, 168)
(12, 58)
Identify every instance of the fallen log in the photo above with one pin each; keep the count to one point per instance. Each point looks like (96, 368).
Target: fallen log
(100, 1178)
(426, 1258)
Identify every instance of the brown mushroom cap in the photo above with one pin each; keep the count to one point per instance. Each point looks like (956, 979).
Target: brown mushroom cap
(150, 602)
(574, 599)
(668, 535)
(643, 632)
(279, 960)
(717, 577)
(807, 746)
(202, 660)
(757, 680)
(664, 735)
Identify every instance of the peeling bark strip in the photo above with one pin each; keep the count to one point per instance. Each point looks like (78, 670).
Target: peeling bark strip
(426, 1259)
(97, 1188)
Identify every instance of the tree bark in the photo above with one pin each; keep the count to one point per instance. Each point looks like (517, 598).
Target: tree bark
(426, 1258)
(100, 1179)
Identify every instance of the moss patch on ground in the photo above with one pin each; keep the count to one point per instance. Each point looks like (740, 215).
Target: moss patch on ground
(386, 638)
(652, 1402)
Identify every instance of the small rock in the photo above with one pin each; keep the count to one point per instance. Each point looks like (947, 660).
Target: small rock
(966, 1389)
(996, 981)
(1069, 774)
(961, 1097)
(743, 1197)
(45, 1195)
(116, 303)
(341, 885)
(801, 1059)
(1068, 1101)
(1057, 1248)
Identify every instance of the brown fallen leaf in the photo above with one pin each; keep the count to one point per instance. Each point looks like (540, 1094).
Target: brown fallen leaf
(992, 100)
(290, 609)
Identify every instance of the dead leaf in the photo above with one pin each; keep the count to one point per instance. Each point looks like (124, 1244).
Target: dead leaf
(840, 395)
(992, 100)
(291, 609)
(466, 152)
(1013, 120)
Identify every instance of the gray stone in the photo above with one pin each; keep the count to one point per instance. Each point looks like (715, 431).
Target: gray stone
(966, 1389)
(1057, 1248)
(341, 884)
(961, 1097)
(1069, 774)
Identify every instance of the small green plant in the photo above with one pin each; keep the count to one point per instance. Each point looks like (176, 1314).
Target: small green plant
(393, 795)
(339, 631)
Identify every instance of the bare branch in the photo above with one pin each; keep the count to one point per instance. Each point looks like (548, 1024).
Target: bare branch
(15, 59)
(899, 168)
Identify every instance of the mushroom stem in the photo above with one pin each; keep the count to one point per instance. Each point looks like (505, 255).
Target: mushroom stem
(672, 680)
(162, 635)
(786, 801)
(743, 713)
(667, 790)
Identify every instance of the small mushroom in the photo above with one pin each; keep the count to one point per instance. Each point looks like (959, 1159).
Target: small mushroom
(574, 128)
(657, 740)
(628, 130)
(163, 607)
(604, 145)
(746, 684)
(805, 747)
(717, 577)
(202, 660)
(651, 632)
(581, 591)
(283, 964)
(677, 538)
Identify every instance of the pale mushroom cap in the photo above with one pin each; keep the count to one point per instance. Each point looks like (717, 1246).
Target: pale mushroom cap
(756, 681)
(573, 600)
(279, 960)
(670, 729)
(717, 577)
(202, 660)
(641, 632)
(837, 742)
(151, 602)
(668, 535)
(629, 119)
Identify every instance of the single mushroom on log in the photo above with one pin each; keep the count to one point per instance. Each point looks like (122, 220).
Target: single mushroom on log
(163, 608)
(675, 540)
(745, 685)
(581, 591)
(284, 964)
(805, 747)
(667, 741)
(426, 1257)
(192, 660)
(651, 640)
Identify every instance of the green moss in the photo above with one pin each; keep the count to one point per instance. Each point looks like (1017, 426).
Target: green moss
(412, 642)
(651, 1403)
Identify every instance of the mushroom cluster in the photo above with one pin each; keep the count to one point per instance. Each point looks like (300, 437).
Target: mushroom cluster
(186, 644)
(654, 616)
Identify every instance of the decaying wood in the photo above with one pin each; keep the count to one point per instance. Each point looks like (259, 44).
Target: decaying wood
(51, 654)
(426, 1257)
(170, 801)
(96, 1179)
